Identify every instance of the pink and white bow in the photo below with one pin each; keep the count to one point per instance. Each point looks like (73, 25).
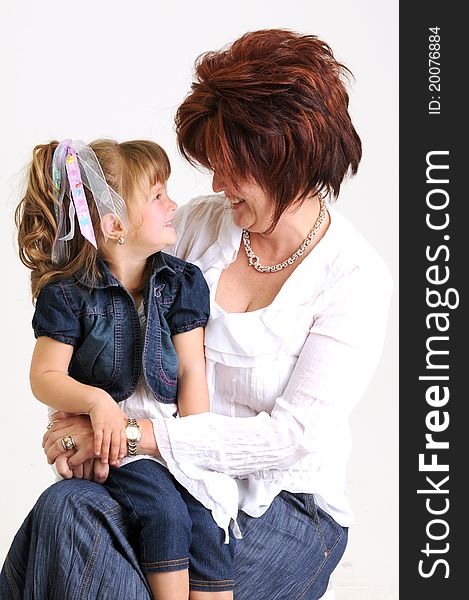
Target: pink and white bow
(74, 167)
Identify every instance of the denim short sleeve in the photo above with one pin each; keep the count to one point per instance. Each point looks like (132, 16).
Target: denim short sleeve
(191, 306)
(54, 316)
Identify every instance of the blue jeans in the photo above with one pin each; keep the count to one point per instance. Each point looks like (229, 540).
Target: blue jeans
(176, 532)
(77, 544)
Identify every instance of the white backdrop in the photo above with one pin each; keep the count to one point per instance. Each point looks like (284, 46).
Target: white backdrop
(119, 69)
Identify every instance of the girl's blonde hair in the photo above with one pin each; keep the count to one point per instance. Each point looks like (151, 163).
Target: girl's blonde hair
(130, 168)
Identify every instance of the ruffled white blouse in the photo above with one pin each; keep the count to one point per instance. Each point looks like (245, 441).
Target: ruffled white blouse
(283, 379)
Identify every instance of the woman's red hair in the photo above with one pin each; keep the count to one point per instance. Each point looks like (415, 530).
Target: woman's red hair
(273, 107)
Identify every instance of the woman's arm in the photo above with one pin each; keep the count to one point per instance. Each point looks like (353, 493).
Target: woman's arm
(192, 395)
(332, 373)
(51, 384)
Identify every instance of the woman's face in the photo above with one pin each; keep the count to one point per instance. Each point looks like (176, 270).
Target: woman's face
(251, 207)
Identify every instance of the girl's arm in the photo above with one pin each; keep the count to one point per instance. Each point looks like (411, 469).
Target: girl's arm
(192, 395)
(192, 398)
(51, 384)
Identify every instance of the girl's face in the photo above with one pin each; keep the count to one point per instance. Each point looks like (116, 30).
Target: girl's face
(251, 207)
(154, 230)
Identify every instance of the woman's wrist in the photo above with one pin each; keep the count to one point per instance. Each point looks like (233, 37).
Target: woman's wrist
(147, 444)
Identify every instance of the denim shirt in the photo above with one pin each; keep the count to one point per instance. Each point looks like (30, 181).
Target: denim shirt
(103, 326)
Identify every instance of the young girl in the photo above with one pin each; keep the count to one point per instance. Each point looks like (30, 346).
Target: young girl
(119, 328)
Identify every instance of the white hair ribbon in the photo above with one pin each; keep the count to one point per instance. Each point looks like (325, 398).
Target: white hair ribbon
(74, 165)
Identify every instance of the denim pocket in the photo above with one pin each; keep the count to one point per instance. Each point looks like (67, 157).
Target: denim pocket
(289, 514)
(96, 362)
(329, 531)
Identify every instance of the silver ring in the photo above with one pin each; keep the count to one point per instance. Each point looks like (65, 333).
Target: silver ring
(49, 425)
(68, 443)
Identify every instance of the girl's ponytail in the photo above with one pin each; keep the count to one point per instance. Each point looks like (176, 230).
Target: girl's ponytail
(35, 218)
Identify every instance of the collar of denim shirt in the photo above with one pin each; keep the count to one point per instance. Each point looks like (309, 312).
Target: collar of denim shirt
(159, 261)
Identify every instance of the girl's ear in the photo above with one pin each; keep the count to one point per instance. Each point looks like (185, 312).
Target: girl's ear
(112, 227)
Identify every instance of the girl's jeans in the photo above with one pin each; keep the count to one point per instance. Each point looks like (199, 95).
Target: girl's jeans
(77, 544)
(176, 532)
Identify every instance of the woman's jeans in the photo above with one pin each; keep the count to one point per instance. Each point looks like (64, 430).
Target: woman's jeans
(77, 544)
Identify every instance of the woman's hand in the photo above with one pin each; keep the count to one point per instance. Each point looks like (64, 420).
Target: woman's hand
(76, 426)
(100, 471)
(80, 429)
(80, 462)
(84, 471)
(93, 470)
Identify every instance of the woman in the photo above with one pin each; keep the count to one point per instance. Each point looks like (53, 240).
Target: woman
(299, 304)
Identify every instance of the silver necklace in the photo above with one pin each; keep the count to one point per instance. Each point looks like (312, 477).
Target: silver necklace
(254, 260)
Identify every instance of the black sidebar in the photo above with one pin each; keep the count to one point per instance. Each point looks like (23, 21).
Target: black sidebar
(433, 315)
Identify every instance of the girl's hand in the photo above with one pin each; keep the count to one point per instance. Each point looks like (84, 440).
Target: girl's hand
(109, 422)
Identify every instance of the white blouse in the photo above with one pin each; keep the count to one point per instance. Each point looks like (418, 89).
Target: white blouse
(283, 379)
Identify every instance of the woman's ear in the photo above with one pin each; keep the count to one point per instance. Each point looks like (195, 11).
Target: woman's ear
(112, 227)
